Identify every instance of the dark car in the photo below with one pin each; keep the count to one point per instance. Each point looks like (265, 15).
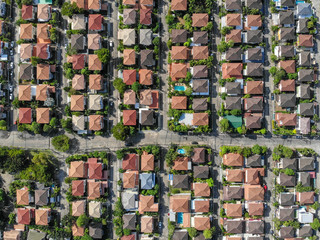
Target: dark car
(194, 142)
(128, 144)
(182, 133)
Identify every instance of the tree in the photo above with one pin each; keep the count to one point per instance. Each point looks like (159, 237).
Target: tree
(315, 224)
(119, 85)
(82, 220)
(69, 9)
(226, 30)
(208, 233)
(126, 232)
(103, 54)
(36, 127)
(192, 232)
(47, 128)
(273, 71)
(61, 143)
(224, 125)
(86, 237)
(120, 132)
(289, 172)
(136, 87)
(54, 122)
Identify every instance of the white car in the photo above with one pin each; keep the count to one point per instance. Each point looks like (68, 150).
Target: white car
(11, 96)
(11, 65)
(10, 88)
(111, 44)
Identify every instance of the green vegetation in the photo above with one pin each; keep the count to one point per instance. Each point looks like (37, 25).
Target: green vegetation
(69, 9)
(208, 233)
(82, 220)
(315, 224)
(192, 232)
(61, 143)
(282, 152)
(103, 55)
(119, 85)
(120, 131)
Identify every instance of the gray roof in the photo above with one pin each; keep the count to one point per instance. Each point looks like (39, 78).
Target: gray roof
(286, 180)
(146, 57)
(305, 231)
(200, 37)
(232, 192)
(200, 85)
(305, 59)
(26, 71)
(304, 179)
(129, 16)
(255, 69)
(35, 235)
(287, 50)
(287, 100)
(77, 41)
(129, 200)
(233, 87)
(201, 171)
(179, 35)
(41, 197)
(254, 54)
(147, 117)
(254, 161)
(233, 103)
(287, 33)
(254, 36)
(302, 26)
(286, 232)
(199, 237)
(286, 199)
(233, 4)
(288, 3)
(254, 104)
(304, 9)
(306, 109)
(234, 54)
(286, 214)
(254, 4)
(200, 71)
(147, 180)
(291, 163)
(234, 226)
(200, 104)
(305, 75)
(180, 181)
(129, 221)
(145, 36)
(306, 164)
(305, 92)
(255, 227)
(286, 17)
(95, 230)
(180, 235)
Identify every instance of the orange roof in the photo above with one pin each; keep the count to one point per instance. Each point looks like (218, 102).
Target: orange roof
(26, 31)
(94, 5)
(230, 70)
(129, 2)
(147, 162)
(43, 33)
(24, 216)
(26, 50)
(233, 19)
(202, 205)
(95, 81)
(129, 97)
(145, 77)
(129, 76)
(255, 209)
(130, 179)
(81, 4)
(200, 119)
(234, 35)
(27, 12)
(95, 122)
(288, 65)
(78, 188)
(201, 189)
(42, 216)
(201, 223)
(41, 50)
(146, 2)
(25, 115)
(200, 19)
(253, 193)
(94, 63)
(78, 82)
(94, 168)
(305, 198)
(129, 117)
(233, 159)
(179, 53)
(253, 87)
(129, 57)
(181, 164)
(234, 175)
(94, 189)
(145, 16)
(200, 52)
(95, 22)
(41, 92)
(252, 176)
(78, 169)
(94, 41)
(78, 61)
(179, 5)
(43, 11)
(146, 204)
(43, 115)
(23, 196)
(254, 21)
(24, 92)
(155, 99)
(233, 210)
(77, 231)
(43, 71)
(179, 102)
(146, 224)
(180, 203)
(287, 85)
(77, 103)
(130, 162)
(285, 119)
(305, 40)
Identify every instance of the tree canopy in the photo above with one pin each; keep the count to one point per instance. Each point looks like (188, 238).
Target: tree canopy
(120, 132)
(103, 54)
(61, 143)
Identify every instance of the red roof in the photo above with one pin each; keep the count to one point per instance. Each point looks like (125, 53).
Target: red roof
(95, 22)
(129, 237)
(129, 117)
(24, 216)
(41, 50)
(129, 76)
(25, 115)
(78, 61)
(130, 162)
(94, 169)
(145, 16)
(27, 12)
(77, 187)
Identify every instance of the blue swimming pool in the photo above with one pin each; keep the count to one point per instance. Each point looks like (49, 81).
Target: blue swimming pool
(179, 217)
(179, 88)
(181, 151)
(299, 2)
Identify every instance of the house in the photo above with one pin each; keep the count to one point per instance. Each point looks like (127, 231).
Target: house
(199, 104)
(305, 40)
(78, 188)
(147, 162)
(78, 61)
(78, 22)
(129, 237)
(253, 193)
(129, 57)
(253, 22)
(96, 122)
(146, 97)
(200, 119)
(290, 163)
(94, 189)
(200, 86)
(146, 58)
(254, 161)
(94, 5)
(12, 235)
(130, 162)
(234, 226)
(77, 103)
(287, 85)
(200, 52)
(286, 34)
(43, 72)
(305, 231)
(233, 160)
(94, 63)
(200, 37)
(42, 92)
(181, 181)
(199, 155)
(253, 104)
(146, 16)
(253, 4)
(304, 179)
(27, 12)
(254, 54)
(253, 37)
(253, 88)
(201, 190)
(286, 18)
(234, 175)
(26, 50)
(129, 117)
(95, 82)
(234, 35)
(129, 221)
(303, 126)
(147, 204)
(180, 203)
(306, 109)
(306, 164)
(129, 97)
(179, 102)
(43, 31)
(129, 201)
(78, 207)
(77, 231)
(256, 209)
(129, 76)
(81, 4)
(23, 196)
(252, 121)
(199, 71)
(287, 199)
(234, 20)
(78, 123)
(178, 36)
(179, 5)
(128, 36)
(286, 214)
(200, 19)
(201, 223)
(95, 230)
(180, 235)
(42, 50)
(145, 37)
(44, 12)
(255, 226)
(146, 224)
(95, 102)
(25, 115)
(43, 115)
(302, 26)
(233, 5)
(94, 41)
(304, 10)
(78, 169)
(304, 59)
(286, 51)
(129, 16)
(95, 169)
(253, 70)
(24, 93)
(287, 100)
(233, 103)
(252, 175)
(286, 232)
(146, 117)
(286, 180)
(78, 41)
(178, 70)
(201, 205)
(130, 179)
(147, 180)
(232, 192)
(233, 210)
(42, 216)
(230, 70)
(181, 164)
(234, 54)
(179, 53)
(129, 2)
(95, 209)
(306, 75)
(95, 22)
(24, 216)
(287, 3)
(26, 31)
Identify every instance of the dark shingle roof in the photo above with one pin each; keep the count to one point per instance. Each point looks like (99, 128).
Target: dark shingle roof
(287, 51)
(255, 227)
(305, 231)
(254, 54)
(254, 36)
(234, 226)
(41, 197)
(199, 104)
(255, 69)
(290, 163)
(306, 109)
(286, 199)
(305, 59)
(180, 181)
(306, 164)
(233, 103)
(146, 57)
(233, 87)
(129, 221)
(286, 232)
(305, 75)
(200, 37)
(147, 117)
(287, 100)
(304, 179)
(286, 180)
(286, 214)
(179, 35)
(200, 171)
(286, 17)
(254, 161)
(234, 54)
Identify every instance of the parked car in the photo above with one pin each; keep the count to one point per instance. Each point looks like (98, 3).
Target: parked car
(11, 52)
(10, 88)
(128, 144)
(12, 44)
(194, 142)
(111, 104)
(182, 133)
(11, 96)
(160, 225)
(11, 65)
(111, 44)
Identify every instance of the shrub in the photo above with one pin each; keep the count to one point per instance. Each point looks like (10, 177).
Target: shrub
(82, 220)
(61, 143)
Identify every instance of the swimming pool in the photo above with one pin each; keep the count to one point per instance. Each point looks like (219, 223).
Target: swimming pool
(299, 2)
(179, 217)
(179, 88)
(181, 151)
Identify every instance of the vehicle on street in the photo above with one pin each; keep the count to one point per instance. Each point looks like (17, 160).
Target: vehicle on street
(160, 225)
(194, 142)
(182, 133)
(10, 88)
(111, 104)
(11, 65)
(128, 144)
(111, 44)
(12, 44)
(11, 52)
(11, 96)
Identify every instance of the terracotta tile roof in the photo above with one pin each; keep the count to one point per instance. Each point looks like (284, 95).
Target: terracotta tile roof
(44, 11)
(255, 209)
(95, 81)
(181, 164)
(179, 102)
(234, 35)
(130, 179)
(180, 203)
(129, 76)
(200, 52)
(288, 65)
(78, 82)
(145, 16)
(285, 119)
(95, 168)
(145, 77)
(233, 160)
(26, 31)
(233, 210)
(78, 61)
(129, 97)
(43, 71)
(234, 175)
(129, 57)
(202, 205)
(25, 115)
(95, 122)
(155, 99)
(146, 2)
(145, 97)
(78, 187)
(253, 122)
(287, 85)
(305, 40)
(200, 19)
(22, 196)
(26, 50)
(179, 35)
(78, 169)
(94, 189)
(230, 70)
(129, 117)
(200, 119)
(130, 162)
(178, 70)
(94, 63)
(77, 103)
(147, 162)
(201, 223)
(94, 41)
(146, 224)
(147, 204)
(129, 237)
(129, 2)
(77, 231)
(254, 21)
(305, 198)
(199, 155)
(12, 234)
(43, 33)
(253, 87)
(253, 193)
(41, 50)
(179, 53)
(179, 5)
(94, 5)
(43, 115)
(81, 4)
(78, 207)
(42, 216)
(233, 19)
(24, 216)
(252, 176)
(27, 12)
(95, 22)
(24, 92)
(201, 189)
(42, 92)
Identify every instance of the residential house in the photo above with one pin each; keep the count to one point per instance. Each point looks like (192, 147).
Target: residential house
(95, 230)
(78, 22)
(42, 51)
(305, 41)
(178, 36)
(147, 180)
(253, 22)
(145, 77)
(146, 224)
(286, 34)
(179, 5)
(234, 20)
(78, 42)
(128, 36)
(304, 59)
(78, 82)
(284, 51)
(78, 169)
(94, 5)
(234, 175)
(306, 75)
(233, 88)
(145, 37)
(129, 97)
(25, 115)
(26, 31)
(129, 221)
(130, 162)
(306, 164)
(233, 160)
(147, 162)
(255, 227)
(199, 71)
(24, 216)
(77, 231)
(94, 189)
(78, 207)
(94, 41)
(232, 192)
(201, 205)
(146, 58)
(94, 63)
(179, 102)
(130, 179)
(234, 54)
(234, 226)
(253, 88)
(253, 121)
(200, 37)
(200, 19)
(42, 92)
(287, 199)
(285, 119)
(44, 12)
(95, 102)
(147, 204)
(95, 209)
(24, 93)
(27, 12)
(306, 109)
(253, 37)
(286, 214)
(23, 196)
(303, 10)
(42, 216)
(255, 209)
(200, 86)
(78, 123)
(253, 4)
(230, 70)
(287, 85)
(95, 82)
(180, 203)
(287, 100)
(302, 26)
(129, 16)
(233, 103)
(253, 70)
(26, 50)
(96, 122)
(233, 5)
(43, 30)
(286, 232)
(77, 103)
(234, 35)
(178, 70)
(129, 201)
(253, 104)
(199, 155)
(78, 187)
(201, 223)
(146, 16)
(129, 76)
(78, 61)
(199, 104)
(179, 53)
(253, 193)
(254, 161)
(200, 52)
(43, 115)
(180, 181)
(286, 180)
(129, 117)
(95, 22)
(44, 72)
(200, 119)
(254, 54)
(201, 190)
